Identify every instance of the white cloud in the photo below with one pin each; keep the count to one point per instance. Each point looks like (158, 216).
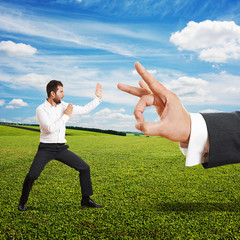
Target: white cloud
(152, 71)
(10, 107)
(217, 66)
(150, 110)
(2, 102)
(190, 90)
(119, 125)
(107, 113)
(115, 38)
(17, 118)
(103, 112)
(30, 120)
(105, 119)
(233, 90)
(81, 80)
(75, 119)
(5, 120)
(16, 49)
(214, 41)
(16, 103)
(224, 87)
(33, 79)
(26, 81)
(81, 34)
(77, 81)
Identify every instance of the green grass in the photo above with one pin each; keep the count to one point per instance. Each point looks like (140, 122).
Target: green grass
(146, 190)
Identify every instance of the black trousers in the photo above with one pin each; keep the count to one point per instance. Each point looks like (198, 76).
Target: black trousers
(49, 151)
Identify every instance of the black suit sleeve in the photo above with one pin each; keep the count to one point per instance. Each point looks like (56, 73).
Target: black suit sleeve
(224, 138)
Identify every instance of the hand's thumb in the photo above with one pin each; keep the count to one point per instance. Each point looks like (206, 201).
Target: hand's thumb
(151, 129)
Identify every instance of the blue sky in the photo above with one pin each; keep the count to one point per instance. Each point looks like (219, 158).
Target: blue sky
(191, 46)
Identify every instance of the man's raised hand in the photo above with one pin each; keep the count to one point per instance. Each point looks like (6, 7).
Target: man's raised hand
(175, 121)
(99, 91)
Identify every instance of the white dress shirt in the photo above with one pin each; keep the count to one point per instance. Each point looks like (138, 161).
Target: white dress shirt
(196, 151)
(52, 119)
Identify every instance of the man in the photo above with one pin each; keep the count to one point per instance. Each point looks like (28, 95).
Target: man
(52, 116)
(212, 139)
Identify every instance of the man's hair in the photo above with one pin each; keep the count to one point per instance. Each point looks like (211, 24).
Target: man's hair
(53, 86)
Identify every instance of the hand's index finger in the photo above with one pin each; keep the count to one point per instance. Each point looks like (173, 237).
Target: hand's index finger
(144, 102)
(136, 91)
(154, 85)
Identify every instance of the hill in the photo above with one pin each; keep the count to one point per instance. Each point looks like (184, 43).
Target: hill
(34, 127)
(146, 190)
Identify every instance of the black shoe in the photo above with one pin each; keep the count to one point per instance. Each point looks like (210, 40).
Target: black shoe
(22, 207)
(90, 203)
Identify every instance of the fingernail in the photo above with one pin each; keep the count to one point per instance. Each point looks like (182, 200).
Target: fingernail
(139, 64)
(140, 67)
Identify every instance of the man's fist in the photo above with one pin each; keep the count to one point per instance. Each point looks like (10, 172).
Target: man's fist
(69, 110)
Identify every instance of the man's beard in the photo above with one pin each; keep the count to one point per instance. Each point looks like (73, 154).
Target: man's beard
(56, 100)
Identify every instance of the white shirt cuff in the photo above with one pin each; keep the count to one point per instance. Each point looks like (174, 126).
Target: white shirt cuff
(195, 151)
(99, 99)
(65, 118)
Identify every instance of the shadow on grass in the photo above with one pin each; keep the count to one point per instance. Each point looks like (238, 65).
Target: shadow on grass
(199, 207)
(53, 208)
(177, 207)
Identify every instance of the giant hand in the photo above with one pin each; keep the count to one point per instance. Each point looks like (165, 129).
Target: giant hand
(175, 121)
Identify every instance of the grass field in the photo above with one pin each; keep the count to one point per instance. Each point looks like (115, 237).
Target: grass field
(146, 190)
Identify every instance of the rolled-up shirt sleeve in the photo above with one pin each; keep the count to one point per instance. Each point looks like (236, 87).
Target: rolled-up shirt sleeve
(196, 151)
(87, 108)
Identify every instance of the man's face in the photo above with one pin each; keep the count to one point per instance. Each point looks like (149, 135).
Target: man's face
(59, 95)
